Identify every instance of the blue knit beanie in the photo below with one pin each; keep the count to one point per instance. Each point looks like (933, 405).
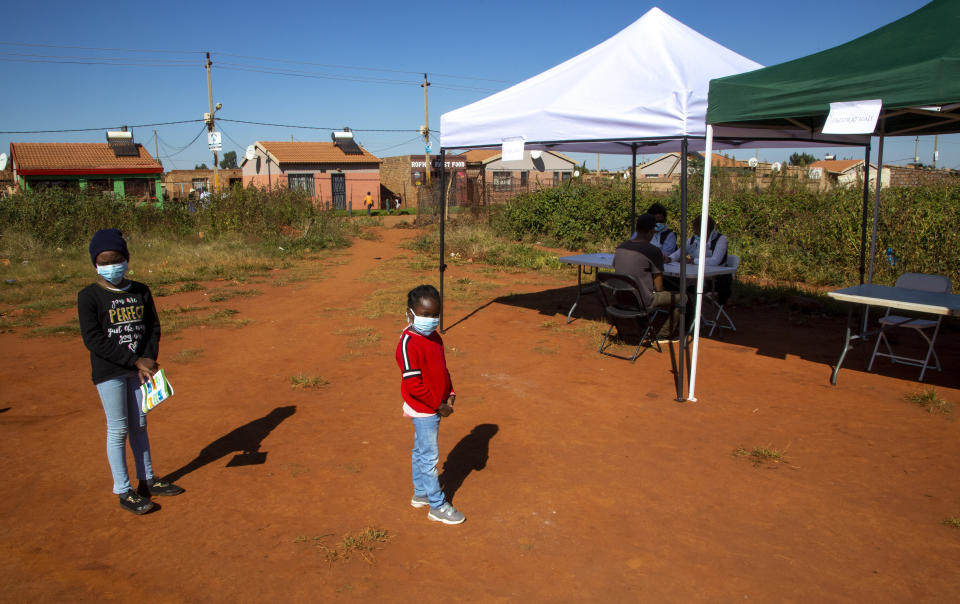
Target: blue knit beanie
(107, 240)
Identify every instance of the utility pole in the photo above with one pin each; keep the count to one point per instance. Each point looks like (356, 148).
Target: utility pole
(426, 129)
(156, 149)
(210, 128)
(936, 154)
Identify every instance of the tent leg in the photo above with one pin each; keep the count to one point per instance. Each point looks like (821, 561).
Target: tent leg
(863, 218)
(683, 270)
(698, 307)
(876, 207)
(443, 215)
(633, 188)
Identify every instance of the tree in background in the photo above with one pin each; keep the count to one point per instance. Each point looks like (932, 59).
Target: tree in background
(200, 167)
(229, 160)
(801, 159)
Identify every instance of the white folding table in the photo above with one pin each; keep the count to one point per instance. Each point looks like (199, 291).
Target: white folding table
(885, 296)
(595, 262)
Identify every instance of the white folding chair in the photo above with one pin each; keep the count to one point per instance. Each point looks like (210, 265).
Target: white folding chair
(922, 282)
(712, 297)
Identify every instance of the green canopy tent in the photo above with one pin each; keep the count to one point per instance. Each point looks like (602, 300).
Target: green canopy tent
(911, 65)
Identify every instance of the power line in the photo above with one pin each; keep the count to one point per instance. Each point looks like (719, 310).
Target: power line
(202, 130)
(336, 66)
(96, 129)
(326, 76)
(35, 45)
(80, 58)
(377, 151)
(223, 119)
(230, 138)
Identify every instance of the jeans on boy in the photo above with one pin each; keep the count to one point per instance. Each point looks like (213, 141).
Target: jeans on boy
(119, 398)
(426, 455)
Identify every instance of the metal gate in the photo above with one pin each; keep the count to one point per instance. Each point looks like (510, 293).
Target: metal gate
(338, 183)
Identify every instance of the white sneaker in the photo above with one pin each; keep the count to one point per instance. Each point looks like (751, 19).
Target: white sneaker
(446, 514)
(418, 502)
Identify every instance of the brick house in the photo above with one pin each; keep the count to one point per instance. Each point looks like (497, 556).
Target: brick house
(844, 172)
(124, 169)
(339, 172)
(404, 175)
(492, 180)
(178, 184)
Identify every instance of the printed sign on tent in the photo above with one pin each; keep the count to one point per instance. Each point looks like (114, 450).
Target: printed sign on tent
(853, 117)
(512, 149)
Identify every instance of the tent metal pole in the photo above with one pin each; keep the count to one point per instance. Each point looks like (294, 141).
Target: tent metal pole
(681, 346)
(633, 189)
(863, 218)
(876, 207)
(701, 260)
(443, 215)
(863, 231)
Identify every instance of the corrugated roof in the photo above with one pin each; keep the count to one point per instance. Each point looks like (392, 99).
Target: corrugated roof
(93, 157)
(314, 153)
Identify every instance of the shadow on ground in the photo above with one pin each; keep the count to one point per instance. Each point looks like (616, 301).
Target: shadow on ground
(245, 440)
(470, 454)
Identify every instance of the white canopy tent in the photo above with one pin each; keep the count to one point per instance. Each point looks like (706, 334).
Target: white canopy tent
(646, 87)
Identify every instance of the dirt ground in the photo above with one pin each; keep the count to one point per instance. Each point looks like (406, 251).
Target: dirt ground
(581, 477)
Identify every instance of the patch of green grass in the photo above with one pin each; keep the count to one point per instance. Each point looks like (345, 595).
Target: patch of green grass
(548, 350)
(174, 322)
(953, 522)
(221, 295)
(760, 455)
(307, 381)
(71, 329)
(929, 400)
(385, 301)
(187, 355)
(10, 323)
(189, 286)
(361, 336)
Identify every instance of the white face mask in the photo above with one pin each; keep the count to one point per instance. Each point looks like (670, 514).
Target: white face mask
(423, 325)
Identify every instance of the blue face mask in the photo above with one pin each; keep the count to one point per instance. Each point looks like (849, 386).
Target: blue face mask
(424, 325)
(113, 273)
(660, 227)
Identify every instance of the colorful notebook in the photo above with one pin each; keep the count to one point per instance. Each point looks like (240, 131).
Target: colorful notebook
(154, 391)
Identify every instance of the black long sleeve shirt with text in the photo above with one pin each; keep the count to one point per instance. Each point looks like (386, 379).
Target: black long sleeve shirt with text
(118, 327)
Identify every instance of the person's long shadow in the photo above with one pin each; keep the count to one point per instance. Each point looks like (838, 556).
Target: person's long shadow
(469, 454)
(246, 440)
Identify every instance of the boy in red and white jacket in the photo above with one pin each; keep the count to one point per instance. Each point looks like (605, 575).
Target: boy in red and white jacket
(427, 396)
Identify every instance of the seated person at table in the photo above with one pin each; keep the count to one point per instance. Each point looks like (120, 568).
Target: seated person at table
(716, 256)
(642, 260)
(716, 245)
(663, 237)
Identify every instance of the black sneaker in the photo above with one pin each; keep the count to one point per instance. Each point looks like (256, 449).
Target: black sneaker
(135, 502)
(157, 487)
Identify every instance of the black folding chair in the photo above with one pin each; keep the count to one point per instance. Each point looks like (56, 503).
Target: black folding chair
(622, 302)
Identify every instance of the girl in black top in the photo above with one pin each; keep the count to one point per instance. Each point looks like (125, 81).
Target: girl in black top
(121, 330)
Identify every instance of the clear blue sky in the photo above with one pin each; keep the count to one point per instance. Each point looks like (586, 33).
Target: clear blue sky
(353, 64)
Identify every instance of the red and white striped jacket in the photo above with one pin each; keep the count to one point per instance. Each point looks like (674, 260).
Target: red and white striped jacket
(425, 382)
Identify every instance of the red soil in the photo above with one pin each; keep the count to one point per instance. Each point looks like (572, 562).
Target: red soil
(596, 485)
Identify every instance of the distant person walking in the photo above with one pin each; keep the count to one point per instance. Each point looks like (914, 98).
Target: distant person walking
(120, 328)
(368, 202)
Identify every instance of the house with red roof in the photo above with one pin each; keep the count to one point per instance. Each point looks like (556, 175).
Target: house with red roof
(844, 173)
(339, 172)
(119, 166)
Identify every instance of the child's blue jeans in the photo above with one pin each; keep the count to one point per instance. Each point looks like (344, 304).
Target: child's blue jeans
(426, 455)
(119, 398)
